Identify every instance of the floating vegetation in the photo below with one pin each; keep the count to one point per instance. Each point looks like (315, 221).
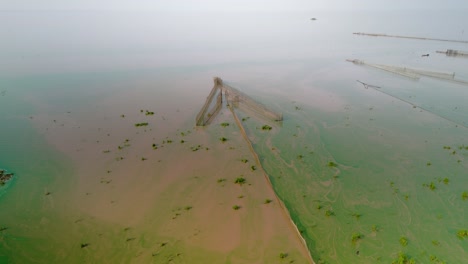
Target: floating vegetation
(225, 124)
(356, 237)
(223, 139)
(435, 242)
(462, 234)
(244, 160)
(435, 259)
(187, 208)
(240, 180)
(463, 147)
(220, 180)
(141, 124)
(267, 201)
(106, 151)
(403, 259)
(464, 196)
(283, 255)
(332, 164)
(149, 113)
(5, 177)
(154, 146)
(375, 228)
(3, 229)
(431, 186)
(403, 241)
(83, 245)
(245, 119)
(357, 215)
(122, 116)
(253, 167)
(236, 207)
(195, 148)
(182, 141)
(329, 213)
(266, 127)
(143, 158)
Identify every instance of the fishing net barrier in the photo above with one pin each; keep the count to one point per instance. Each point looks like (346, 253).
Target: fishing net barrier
(412, 73)
(237, 99)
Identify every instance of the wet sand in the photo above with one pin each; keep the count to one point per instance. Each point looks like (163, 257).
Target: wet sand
(175, 198)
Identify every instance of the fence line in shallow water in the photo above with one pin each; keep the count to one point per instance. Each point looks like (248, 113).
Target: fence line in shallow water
(414, 74)
(454, 53)
(378, 89)
(409, 37)
(236, 98)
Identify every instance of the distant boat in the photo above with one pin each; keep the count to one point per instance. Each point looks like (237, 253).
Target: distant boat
(313, 18)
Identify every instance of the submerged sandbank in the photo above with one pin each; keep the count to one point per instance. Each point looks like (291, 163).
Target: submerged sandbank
(164, 191)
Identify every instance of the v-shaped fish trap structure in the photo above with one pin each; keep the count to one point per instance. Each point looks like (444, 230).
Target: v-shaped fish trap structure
(234, 99)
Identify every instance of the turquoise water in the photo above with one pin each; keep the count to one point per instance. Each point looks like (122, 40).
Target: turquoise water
(384, 152)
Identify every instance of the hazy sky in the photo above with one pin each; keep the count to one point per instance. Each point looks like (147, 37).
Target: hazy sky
(232, 5)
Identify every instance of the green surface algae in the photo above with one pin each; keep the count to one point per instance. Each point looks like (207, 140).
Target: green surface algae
(361, 180)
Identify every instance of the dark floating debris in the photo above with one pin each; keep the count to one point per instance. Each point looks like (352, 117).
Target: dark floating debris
(5, 177)
(83, 245)
(141, 124)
